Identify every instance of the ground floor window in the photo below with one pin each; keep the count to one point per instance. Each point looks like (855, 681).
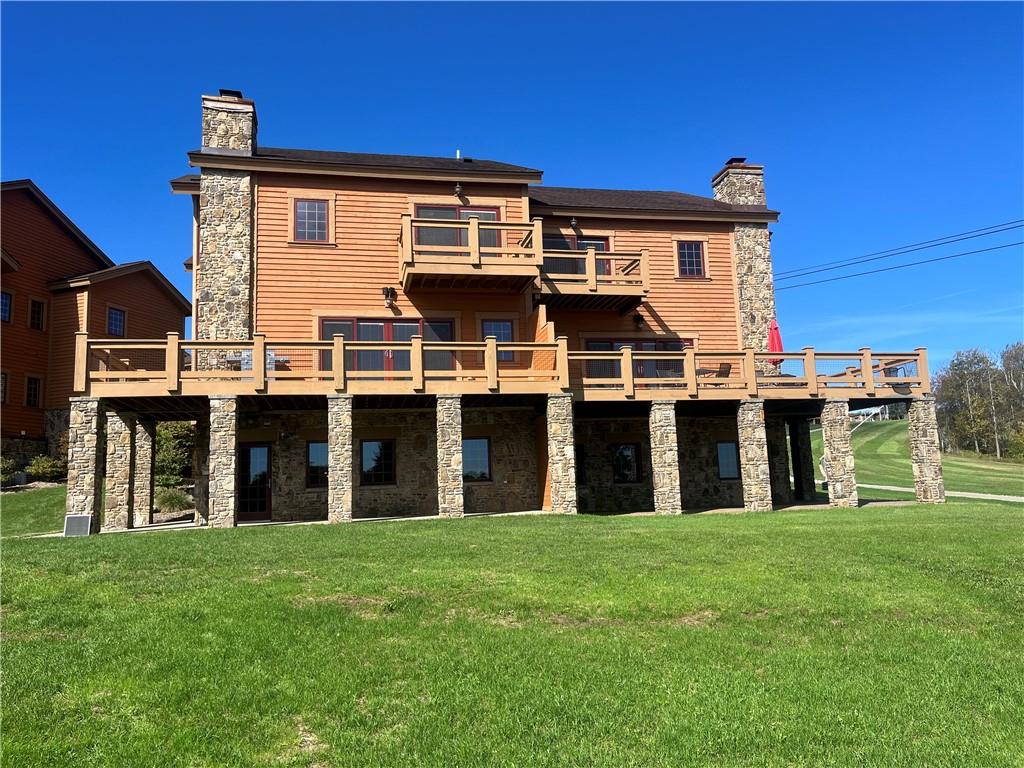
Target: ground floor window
(476, 459)
(626, 463)
(642, 369)
(728, 461)
(316, 465)
(377, 462)
(33, 392)
(355, 329)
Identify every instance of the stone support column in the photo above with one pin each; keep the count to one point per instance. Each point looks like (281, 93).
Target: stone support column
(754, 467)
(339, 458)
(201, 471)
(450, 495)
(778, 461)
(665, 458)
(838, 449)
(119, 483)
(223, 461)
(925, 456)
(85, 443)
(142, 473)
(803, 459)
(561, 454)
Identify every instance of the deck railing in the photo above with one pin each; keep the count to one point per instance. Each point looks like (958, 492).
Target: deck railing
(594, 270)
(126, 368)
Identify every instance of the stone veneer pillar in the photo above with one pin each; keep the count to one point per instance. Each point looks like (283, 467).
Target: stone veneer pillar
(778, 460)
(85, 441)
(838, 451)
(339, 458)
(450, 495)
(754, 468)
(223, 458)
(142, 474)
(803, 459)
(201, 471)
(665, 458)
(561, 454)
(118, 485)
(925, 455)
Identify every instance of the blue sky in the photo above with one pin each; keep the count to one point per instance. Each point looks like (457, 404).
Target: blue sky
(879, 124)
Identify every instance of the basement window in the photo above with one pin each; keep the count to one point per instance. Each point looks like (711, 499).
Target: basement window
(476, 459)
(316, 465)
(626, 463)
(728, 461)
(377, 462)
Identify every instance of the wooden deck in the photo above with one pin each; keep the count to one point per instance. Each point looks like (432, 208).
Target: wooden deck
(175, 367)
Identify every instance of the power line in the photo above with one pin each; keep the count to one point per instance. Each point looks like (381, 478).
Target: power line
(970, 234)
(900, 266)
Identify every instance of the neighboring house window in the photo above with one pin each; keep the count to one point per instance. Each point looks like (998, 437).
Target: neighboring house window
(690, 255)
(502, 331)
(476, 459)
(626, 463)
(377, 462)
(36, 314)
(3, 387)
(311, 221)
(316, 465)
(115, 321)
(5, 307)
(33, 391)
(728, 461)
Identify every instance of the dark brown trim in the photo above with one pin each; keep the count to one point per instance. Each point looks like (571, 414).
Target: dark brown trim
(29, 377)
(326, 482)
(736, 449)
(270, 481)
(490, 464)
(703, 259)
(32, 302)
(394, 448)
(124, 321)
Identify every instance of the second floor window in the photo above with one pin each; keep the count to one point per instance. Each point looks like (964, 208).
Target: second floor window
(36, 315)
(311, 221)
(33, 392)
(5, 307)
(690, 256)
(502, 331)
(115, 321)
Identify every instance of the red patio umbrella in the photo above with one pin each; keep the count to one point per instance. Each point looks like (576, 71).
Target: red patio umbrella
(774, 341)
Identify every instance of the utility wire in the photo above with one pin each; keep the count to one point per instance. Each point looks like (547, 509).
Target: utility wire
(900, 266)
(811, 269)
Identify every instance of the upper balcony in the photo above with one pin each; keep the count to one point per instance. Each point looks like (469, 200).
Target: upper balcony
(594, 280)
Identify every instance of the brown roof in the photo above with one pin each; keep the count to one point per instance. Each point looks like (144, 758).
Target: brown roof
(636, 200)
(88, 278)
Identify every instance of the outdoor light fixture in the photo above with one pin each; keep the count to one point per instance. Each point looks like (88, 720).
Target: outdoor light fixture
(572, 222)
(638, 320)
(458, 189)
(390, 297)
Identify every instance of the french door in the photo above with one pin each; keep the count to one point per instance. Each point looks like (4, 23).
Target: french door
(646, 369)
(455, 235)
(385, 330)
(254, 475)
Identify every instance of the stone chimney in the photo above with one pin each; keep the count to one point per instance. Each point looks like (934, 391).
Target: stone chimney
(742, 184)
(224, 272)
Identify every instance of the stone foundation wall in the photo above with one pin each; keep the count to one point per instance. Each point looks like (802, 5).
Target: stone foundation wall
(701, 486)
(513, 436)
(839, 466)
(596, 488)
(925, 455)
(778, 460)
(119, 480)
(142, 492)
(754, 467)
(85, 446)
(415, 435)
(58, 422)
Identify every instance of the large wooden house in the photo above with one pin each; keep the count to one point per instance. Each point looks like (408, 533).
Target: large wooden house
(381, 335)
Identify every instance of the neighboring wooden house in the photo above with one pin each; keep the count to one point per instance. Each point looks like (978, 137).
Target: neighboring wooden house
(55, 283)
(387, 335)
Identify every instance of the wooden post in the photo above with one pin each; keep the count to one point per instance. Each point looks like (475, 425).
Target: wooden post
(628, 388)
(81, 361)
(645, 269)
(474, 240)
(259, 361)
(690, 371)
(811, 371)
(491, 361)
(562, 361)
(172, 361)
(407, 243)
(538, 240)
(922, 371)
(867, 372)
(750, 371)
(416, 362)
(591, 269)
(338, 363)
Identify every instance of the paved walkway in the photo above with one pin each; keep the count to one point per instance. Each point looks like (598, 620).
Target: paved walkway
(955, 494)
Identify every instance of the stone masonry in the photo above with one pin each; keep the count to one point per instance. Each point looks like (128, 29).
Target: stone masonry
(803, 459)
(201, 472)
(925, 457)
(229, 123)
(838, 451)
(449, 456)
(753, 446)
(778, 460)
(665, 458)
(85, 441)
(142, 473)
(339, 458)
(561, 454)
(223, 453)
(119, 481)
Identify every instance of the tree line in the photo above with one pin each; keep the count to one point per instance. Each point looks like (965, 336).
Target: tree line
(980, 402)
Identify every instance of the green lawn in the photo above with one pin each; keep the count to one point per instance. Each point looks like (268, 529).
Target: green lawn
(882, 636)
(38, 511)
(882, 455)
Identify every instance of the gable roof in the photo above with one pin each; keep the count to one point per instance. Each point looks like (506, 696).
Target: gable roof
(59, 216)
(578, 198)
(121, 270)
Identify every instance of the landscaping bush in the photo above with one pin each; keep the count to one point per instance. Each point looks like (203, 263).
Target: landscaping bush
(47, 468)
(172, 500)
(174, 441)
(7, 469)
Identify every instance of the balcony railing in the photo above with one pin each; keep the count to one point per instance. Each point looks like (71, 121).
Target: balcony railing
(172, 366)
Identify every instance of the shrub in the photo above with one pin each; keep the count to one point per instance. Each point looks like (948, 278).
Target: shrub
(172, 500)
(7, 469)
(47, 468)
(174, 441)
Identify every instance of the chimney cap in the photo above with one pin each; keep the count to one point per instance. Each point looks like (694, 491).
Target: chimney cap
(730, 161)
(230, 93)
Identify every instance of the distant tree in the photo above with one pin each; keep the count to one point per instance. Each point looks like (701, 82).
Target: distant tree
(174, 442)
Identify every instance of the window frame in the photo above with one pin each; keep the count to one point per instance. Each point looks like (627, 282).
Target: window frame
(326, 358)
(638, 456)
(32, 301)
(718, 454)
(490, 461)
(394, 469)
(306, 196)
(28, 378)
(10, 306)
(5, 387)
(124, 321)
(703, 240)
(327, 467)
(513, 323)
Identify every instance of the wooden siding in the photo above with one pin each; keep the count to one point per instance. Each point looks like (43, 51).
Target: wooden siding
(68, 316)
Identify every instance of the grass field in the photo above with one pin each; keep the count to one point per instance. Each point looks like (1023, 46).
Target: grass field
(884, 636)
(38, 511)
(883, 458)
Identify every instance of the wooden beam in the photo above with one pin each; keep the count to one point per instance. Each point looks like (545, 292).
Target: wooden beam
(491, 361)
(172, 362)
(81, 361)
(416, 362)
(867, 371)
(811, 371)
(259, 361)
(338, 363)
(562, 361)
(628, 388)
